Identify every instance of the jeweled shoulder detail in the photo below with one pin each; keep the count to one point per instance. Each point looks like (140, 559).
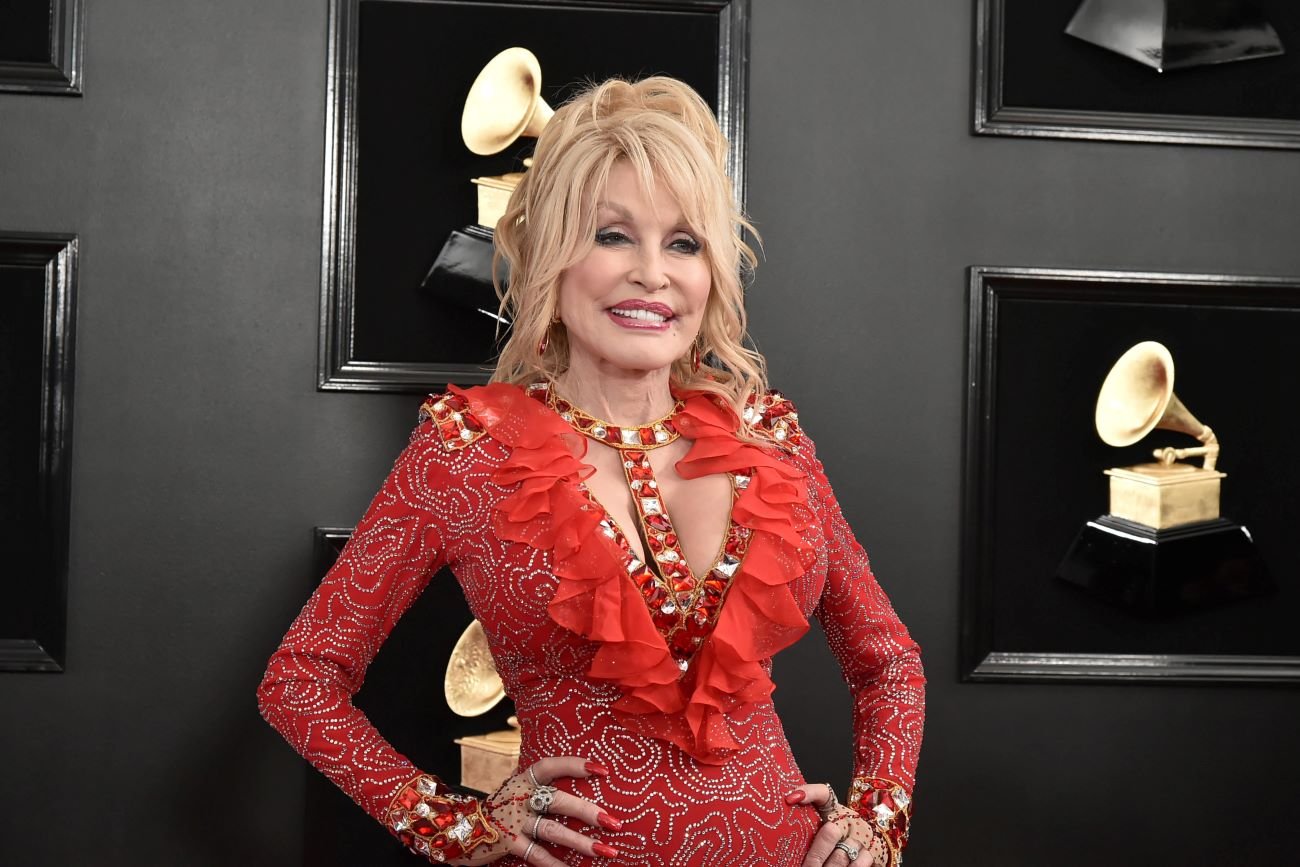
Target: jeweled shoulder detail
(457, 427)
(774, 416)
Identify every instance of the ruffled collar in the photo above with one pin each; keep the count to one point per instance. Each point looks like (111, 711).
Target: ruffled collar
(550, 510)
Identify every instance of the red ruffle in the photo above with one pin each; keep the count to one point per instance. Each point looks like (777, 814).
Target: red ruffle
(597, 600)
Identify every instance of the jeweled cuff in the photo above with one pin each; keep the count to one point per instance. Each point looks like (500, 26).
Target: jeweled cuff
(888, 807)
(433, 821)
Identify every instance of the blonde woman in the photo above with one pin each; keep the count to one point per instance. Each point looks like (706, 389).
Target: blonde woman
(640, 525)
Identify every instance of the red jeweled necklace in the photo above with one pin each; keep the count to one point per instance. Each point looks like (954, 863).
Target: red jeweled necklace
(683, 607)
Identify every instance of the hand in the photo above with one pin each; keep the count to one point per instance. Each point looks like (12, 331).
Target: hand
(527, 834)
(839, 824)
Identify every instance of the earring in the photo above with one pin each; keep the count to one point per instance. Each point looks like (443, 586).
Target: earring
(544, 342)
(695, 357)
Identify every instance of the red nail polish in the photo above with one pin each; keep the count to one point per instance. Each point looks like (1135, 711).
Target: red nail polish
(604, 850)
(608, 821)
(796, 797)
(598, 770)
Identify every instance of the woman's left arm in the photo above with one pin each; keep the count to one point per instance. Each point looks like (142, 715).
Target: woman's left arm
(880, 662)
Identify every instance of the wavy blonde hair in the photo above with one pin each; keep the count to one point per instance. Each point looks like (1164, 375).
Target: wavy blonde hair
(669, 135)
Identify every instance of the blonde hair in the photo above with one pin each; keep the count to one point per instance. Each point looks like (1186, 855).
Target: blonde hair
(669, 135)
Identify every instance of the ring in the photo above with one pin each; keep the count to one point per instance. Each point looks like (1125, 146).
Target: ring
(529, 850)
(537, 824)
(832, 803)
(533, 777)
(848, 850)
(542, 798)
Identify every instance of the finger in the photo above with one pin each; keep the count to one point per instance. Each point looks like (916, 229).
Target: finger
(823, 844)
(533, 853)
(553, 832)
(549, 769)
(585, 811)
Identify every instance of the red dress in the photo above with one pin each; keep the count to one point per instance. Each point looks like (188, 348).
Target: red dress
(491, 485)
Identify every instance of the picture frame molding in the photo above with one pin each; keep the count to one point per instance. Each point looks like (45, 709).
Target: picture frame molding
(991, 116)
(57, 255)
(61, 76)
(338, 367)
(978, 660)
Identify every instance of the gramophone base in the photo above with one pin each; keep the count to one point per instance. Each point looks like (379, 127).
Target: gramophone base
(1162, 572)
(462, 273)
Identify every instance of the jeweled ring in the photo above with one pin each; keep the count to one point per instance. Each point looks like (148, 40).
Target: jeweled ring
(542, 798)
(533, 777)
(537, 824)
(832, 803)
(529, 850)
(848, 850)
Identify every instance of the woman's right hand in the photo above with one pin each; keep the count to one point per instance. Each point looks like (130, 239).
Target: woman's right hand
(527, 834)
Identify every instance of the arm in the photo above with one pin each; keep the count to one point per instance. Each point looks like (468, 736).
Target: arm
(881, 664)
(306, 694)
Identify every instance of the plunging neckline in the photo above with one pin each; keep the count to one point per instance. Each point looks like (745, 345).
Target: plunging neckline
(683, 604)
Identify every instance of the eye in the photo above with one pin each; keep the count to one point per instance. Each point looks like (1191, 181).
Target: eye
(611, 238)
(685, 244)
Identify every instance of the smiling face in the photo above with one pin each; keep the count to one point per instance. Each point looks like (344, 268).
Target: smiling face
(635, 302)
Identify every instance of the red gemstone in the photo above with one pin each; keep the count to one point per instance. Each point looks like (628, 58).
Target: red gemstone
(647, 436)
(634, 456)
(423, 827)
(640, 472)
(563, 405)
(471, 423)
(734, 546)
(613, 434)
(455, 402)
(664, 622)
(670, 539)
(409, 798)
(659, 522)
(668, 426)
(407, 838)
(683, 642)
(440, 805)
(444, 820)
(656, 544)
(686, 585)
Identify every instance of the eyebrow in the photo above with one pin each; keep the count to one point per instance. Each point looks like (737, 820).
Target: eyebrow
(616, 208)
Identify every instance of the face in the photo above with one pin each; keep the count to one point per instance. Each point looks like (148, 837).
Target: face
(636, 301)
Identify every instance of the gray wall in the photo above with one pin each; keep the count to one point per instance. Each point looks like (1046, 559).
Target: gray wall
(203, 455)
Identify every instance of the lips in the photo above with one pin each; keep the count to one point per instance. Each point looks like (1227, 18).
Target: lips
(636, 308)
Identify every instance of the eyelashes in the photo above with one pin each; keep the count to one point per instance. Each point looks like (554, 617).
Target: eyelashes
(681, 244)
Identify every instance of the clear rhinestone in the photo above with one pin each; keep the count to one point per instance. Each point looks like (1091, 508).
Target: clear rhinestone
(401, 822)
(567, 416)
(780, 431)
(683, 664)
(636, 485)
(727, 565)
(467, 434)
(653, 483)
(423, 809)
(630, 438)
(599, 431)
(628, 464)
(661, 435)
(633, 565)
(651, 505)
(750, 413)
(427, 786)
(900, 798)
(461, 830)
(668, 556)
(884, 815)
(742, 482)
(457, 416)
(440, 406)
(668, 607)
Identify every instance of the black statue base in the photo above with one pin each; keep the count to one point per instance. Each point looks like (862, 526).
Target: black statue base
(1161, 572)
(462, 273)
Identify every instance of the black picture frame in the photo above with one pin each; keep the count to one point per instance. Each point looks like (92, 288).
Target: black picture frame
(38, 289)
(379, 331)
(1031, 79)
(403, 696)
(40, 47)
(1040, 343)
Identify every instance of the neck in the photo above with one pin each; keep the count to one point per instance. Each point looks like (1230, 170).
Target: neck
(623, 397)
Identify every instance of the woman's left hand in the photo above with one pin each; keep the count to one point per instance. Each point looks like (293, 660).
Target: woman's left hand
(841, 829)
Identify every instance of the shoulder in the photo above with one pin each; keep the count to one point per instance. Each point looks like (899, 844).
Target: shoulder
(511, 414)
(446, 418)
(772, 416)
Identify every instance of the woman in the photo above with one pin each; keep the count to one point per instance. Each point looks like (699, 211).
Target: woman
(639, 524)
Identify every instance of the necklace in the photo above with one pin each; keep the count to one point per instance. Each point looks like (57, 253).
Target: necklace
(684, 608)
(650, 435)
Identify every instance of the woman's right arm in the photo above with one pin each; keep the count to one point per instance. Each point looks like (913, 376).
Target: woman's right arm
(306, 694)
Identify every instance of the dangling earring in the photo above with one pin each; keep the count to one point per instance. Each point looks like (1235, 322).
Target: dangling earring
(695, 357)
(545, 341)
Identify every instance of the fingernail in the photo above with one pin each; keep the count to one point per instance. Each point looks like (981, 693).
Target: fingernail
(608, 821)
(796, 797)
(598, 770)
(604, 850)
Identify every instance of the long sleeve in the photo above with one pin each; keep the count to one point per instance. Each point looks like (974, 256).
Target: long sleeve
(306, 694)
(880, 662)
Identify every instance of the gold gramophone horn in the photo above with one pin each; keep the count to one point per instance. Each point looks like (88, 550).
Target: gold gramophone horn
(1138, 397)
(472, 684)
(504, 103)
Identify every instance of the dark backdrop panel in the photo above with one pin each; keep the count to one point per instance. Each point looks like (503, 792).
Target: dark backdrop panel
(27, 561)
(1045, 68)
(416, 62)
(25, 31)
(1051, 358)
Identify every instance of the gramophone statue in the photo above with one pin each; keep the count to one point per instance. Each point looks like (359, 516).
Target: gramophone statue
(504, 104)
(1163, 546)
(473, 687)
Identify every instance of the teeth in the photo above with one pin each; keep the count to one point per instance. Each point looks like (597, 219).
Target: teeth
(644, 315)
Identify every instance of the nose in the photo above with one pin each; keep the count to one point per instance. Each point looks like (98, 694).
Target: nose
(650, 270)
